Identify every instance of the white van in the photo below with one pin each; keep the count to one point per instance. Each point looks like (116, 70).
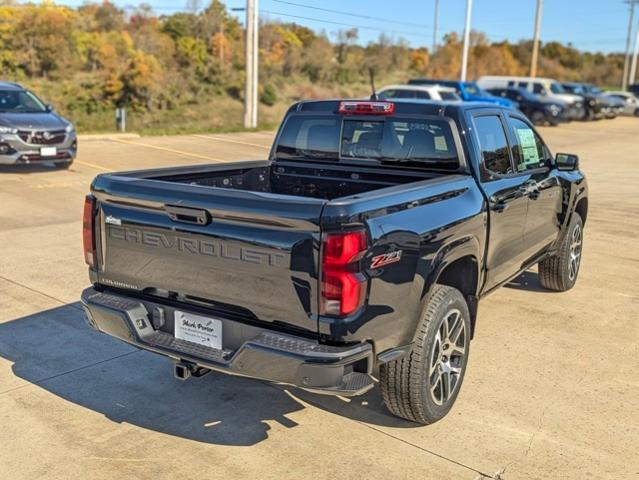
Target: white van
(422, 92)
(546, 87)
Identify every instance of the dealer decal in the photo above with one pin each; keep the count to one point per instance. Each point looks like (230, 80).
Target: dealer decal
(386, 259)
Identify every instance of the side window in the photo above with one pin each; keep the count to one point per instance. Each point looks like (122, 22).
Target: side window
(422, 95)
(448, 95)
(387, 94)
(538, 88)
(522, 84)
(528, 150)
(406, 94)
(493, 144)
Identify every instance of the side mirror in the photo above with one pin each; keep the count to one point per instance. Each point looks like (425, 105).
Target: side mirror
(49, 107)
(567, 162)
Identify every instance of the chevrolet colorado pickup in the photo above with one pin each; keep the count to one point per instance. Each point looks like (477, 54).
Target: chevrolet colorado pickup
(356, 254)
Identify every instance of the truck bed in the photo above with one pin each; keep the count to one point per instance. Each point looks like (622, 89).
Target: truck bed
(210, 234)
(320, 181)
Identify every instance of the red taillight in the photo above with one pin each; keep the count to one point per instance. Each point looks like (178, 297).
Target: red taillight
(343, 285)
(366, 108)
(88, 238)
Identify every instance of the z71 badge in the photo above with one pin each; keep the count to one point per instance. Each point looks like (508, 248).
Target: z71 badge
(386, 259)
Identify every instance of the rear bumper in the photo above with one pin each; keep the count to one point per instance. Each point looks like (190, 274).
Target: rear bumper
(249, 351)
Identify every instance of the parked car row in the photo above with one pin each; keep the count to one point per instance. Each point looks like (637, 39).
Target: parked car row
(31, 131)
(543, 100)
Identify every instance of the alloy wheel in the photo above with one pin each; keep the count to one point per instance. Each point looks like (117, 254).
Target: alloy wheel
(575, 252)
(447, 357)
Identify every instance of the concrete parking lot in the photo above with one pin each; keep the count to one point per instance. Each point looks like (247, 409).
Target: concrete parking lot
(552, 389)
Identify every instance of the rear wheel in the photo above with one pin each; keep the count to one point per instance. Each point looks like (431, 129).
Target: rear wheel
(559, 272)
(637, 113)
(423, 386)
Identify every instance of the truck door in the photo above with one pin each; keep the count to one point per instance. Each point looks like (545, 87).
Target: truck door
(533, 162)
(507, 201)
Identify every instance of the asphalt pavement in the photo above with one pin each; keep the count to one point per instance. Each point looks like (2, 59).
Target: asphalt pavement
(552, 389)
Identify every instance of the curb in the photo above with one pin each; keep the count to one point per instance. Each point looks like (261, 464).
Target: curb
(107, 136)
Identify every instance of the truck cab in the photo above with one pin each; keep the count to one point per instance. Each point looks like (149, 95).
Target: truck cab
(362, 244)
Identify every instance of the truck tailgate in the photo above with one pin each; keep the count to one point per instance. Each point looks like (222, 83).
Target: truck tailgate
(251, 254)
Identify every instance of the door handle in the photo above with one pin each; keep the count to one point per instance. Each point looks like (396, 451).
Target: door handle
(188, 215)
(497, 205)
(530, 188)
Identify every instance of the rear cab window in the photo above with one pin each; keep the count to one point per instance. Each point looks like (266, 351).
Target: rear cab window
(406, 141)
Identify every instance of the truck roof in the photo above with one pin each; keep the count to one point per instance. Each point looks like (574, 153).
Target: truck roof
(402, 106)
(11, 86)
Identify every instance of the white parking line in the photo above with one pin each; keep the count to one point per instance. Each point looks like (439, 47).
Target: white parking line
(87, 164)
(171, 150)
(228, 140)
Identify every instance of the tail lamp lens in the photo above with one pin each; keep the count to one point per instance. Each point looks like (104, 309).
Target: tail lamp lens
(366, 108)
(343, 285)
(88, 237)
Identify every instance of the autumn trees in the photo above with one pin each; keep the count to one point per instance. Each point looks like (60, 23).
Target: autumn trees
(99, 56)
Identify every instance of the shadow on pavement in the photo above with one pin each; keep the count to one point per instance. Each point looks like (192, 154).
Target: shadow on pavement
(56, 350)
(38, 167)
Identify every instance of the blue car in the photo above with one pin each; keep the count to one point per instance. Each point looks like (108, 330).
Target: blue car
(468, 91)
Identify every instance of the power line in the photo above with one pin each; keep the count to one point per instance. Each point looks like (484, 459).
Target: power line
(357, 15)
(362, 27)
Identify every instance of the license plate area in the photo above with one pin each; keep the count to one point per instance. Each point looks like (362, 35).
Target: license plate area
(48, 151)
(205, 331)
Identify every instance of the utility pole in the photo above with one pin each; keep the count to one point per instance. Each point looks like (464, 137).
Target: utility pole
(535, 52)
(633, 67)
(626, 62)
(222, 40)
(250, 91)
(256, 55)
(435, 25)
(464, 65)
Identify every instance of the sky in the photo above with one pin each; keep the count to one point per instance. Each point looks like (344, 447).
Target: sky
(586, 24)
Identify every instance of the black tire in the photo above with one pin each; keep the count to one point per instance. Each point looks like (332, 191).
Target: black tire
(538, 117)
(637, 113)
(560, 272)
(406, 383)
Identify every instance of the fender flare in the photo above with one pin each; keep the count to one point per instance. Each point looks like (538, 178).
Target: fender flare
(466, 246)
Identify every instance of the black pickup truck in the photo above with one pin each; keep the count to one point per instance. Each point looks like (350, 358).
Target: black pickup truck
(356, 254)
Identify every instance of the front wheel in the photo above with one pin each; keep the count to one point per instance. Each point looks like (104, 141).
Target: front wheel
(559, 272)
(423, 386)
(538, 118)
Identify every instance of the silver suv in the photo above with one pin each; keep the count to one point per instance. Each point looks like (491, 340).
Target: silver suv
(31, 132)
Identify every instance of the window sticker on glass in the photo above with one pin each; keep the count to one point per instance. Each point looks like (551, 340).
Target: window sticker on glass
(528, 145)
(440, 143)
